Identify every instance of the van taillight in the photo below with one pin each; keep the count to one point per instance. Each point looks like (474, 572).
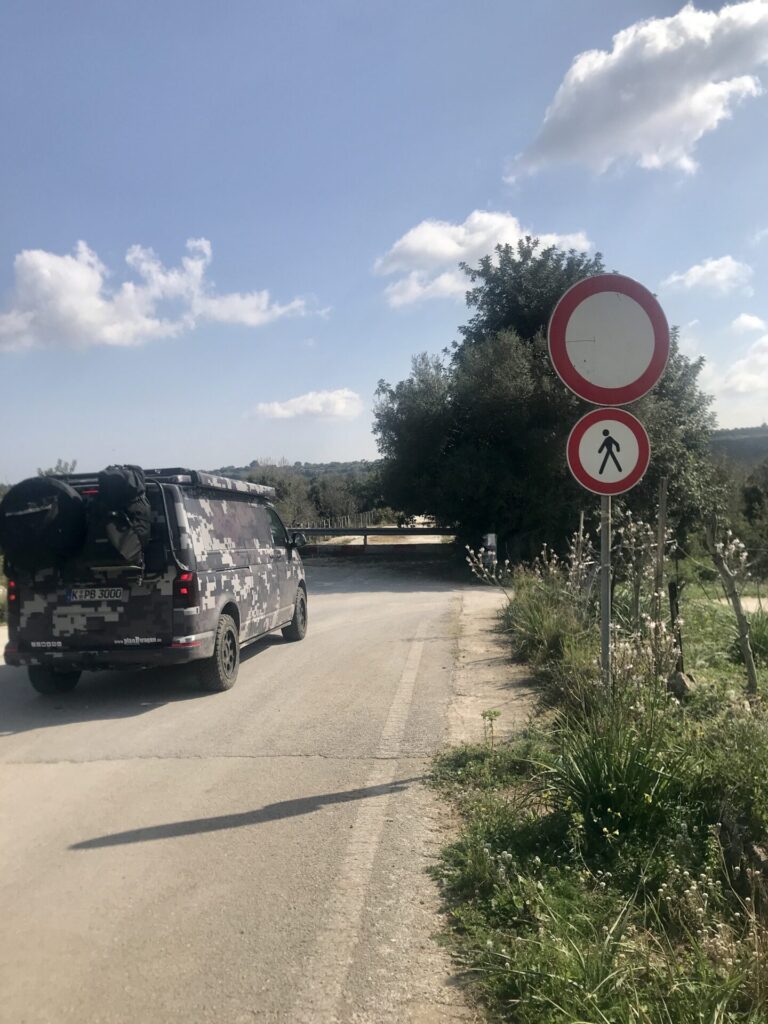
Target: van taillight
(186, 592)
(13, 601)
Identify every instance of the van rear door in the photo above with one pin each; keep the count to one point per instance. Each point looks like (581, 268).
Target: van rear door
(96, 603)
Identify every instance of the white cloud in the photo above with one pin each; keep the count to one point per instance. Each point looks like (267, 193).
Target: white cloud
(722, 275)
(427, 255)
(68, 301)
(664, 84)
(341, 404)
(759, 236)
(746, 322)
(418, 285)
(748, 376)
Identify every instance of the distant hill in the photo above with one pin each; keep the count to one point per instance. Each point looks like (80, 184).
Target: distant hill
(311, 470)
(747, 446)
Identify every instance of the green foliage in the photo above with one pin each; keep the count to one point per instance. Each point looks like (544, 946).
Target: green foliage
(492, 420)
(754, 526)
(292, 492)
(608, 871)
(613, 771)
(62, 468)
(306, 493)
(520, 287)
(476, 764)
(543, 618)
(745, 446)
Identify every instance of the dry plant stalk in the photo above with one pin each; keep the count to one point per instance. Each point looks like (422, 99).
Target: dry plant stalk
(719, 553)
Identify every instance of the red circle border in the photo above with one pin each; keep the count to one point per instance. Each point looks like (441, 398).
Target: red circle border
(558, 352)
(602, 486)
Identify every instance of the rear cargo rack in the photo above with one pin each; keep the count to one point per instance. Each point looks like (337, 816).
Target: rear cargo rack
(182, 477)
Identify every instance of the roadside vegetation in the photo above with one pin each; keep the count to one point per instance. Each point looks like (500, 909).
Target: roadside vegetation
(492, 418)
(310, 494)
(613, 860)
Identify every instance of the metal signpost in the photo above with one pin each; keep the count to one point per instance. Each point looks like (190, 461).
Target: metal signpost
(609, 343)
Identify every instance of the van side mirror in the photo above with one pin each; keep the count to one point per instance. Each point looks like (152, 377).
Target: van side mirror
(299, 540)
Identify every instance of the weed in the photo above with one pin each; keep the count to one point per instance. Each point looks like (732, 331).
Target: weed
(489, 716)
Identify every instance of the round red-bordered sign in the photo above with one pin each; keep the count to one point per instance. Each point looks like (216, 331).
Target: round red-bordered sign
(608, 451)
(608, 339)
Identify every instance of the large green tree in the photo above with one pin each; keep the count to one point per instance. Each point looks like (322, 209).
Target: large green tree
(477, 438)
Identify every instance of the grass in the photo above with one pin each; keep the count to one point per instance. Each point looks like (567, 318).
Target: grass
(609, 865)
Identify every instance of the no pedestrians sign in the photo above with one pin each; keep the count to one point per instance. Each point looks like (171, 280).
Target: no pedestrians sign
(608, 451)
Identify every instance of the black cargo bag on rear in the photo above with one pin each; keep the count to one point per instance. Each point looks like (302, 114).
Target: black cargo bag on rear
(122, 510)
(42, 523)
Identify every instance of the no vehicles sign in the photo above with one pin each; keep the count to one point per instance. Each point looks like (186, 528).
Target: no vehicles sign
(608, 451)
(609, 340)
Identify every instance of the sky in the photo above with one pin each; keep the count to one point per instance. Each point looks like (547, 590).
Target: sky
(222, 224)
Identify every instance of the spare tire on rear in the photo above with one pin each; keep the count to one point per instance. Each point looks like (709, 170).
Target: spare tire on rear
(122, 511)
(42, 522)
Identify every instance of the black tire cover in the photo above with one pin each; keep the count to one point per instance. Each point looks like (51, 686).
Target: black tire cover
(42, 522)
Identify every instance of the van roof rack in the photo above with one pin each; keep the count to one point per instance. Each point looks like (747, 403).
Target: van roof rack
(184, 477)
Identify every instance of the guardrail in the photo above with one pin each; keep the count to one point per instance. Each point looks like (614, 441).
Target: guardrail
(371, 531)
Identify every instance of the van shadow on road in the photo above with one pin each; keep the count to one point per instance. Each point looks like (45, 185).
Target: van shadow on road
(101, 696)
(272, 812)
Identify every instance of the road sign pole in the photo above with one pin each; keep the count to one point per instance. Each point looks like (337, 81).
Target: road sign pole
(605, 587)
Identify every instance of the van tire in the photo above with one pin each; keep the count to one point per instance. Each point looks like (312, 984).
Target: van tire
(42, 521)
(297, 630)
(219, 673)
(49, 682)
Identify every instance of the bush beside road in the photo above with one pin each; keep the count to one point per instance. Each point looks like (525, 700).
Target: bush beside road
(613, 859)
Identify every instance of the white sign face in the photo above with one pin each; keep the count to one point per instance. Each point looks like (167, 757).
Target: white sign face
(608, 451)
(610, 339)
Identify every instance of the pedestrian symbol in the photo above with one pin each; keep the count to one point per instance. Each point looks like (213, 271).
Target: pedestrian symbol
(608, 451)
(608, 446)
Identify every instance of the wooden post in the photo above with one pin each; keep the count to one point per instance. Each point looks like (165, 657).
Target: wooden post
(674, 614)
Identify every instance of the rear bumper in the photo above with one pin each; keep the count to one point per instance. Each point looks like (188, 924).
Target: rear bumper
(180, 651)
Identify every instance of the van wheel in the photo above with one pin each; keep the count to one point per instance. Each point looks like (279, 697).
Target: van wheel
(50, 682)
(220, 672)
(298, 627)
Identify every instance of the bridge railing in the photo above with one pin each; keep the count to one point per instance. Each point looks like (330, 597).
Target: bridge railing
(372, 531)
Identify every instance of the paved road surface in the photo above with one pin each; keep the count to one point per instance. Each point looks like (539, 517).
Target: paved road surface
(253, 856)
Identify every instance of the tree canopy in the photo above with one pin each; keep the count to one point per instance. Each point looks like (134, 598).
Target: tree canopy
(477, 438)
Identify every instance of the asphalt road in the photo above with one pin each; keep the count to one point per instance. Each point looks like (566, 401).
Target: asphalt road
(257, 855)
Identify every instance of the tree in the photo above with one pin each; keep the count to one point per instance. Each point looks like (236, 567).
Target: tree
(477, 439)
(292, 498)
(520, 287)
(333, 496)
(62, 468)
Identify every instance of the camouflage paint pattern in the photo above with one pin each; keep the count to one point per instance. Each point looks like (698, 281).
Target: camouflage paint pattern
(219, 529)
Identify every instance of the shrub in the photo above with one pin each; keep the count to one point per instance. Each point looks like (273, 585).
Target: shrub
(543, 619)
(614, 773)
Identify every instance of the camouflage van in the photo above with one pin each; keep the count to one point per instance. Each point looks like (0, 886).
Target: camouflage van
(132, 568)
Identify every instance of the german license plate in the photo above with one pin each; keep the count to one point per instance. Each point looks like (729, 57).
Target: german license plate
(78, 595)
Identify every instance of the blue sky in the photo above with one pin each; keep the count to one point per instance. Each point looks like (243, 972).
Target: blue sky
(220, 225)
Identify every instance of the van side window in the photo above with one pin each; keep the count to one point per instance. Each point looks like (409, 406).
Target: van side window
(279, 536)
